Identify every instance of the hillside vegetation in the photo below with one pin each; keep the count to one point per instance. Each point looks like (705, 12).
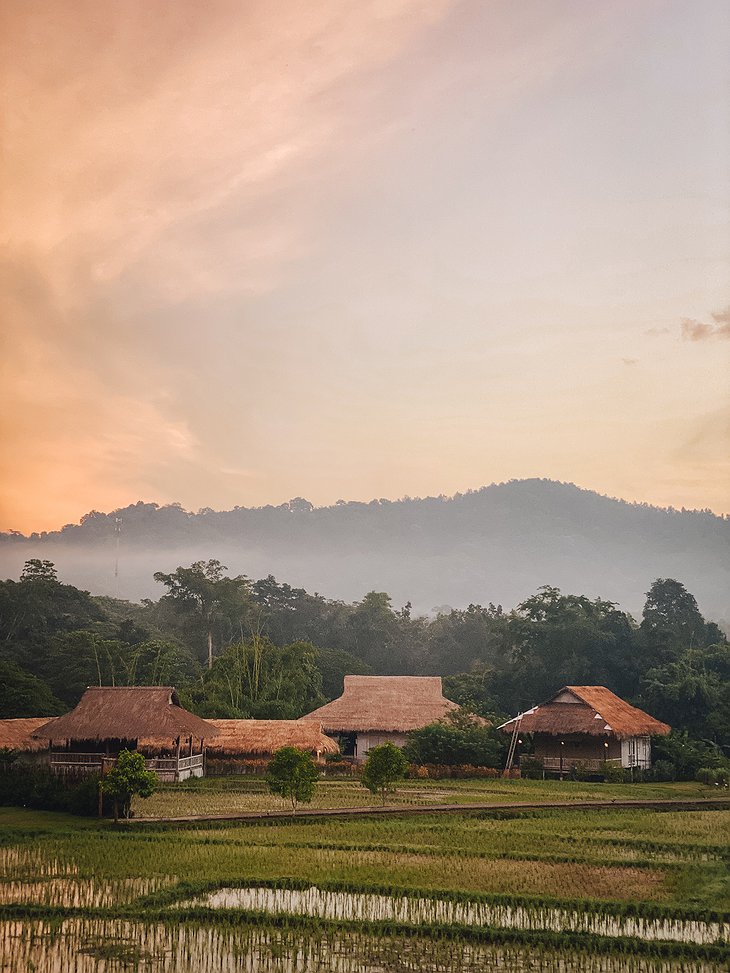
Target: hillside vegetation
(241, 649)
(497, 544)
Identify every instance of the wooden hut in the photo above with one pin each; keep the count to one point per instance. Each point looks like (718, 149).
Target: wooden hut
(257, 739)
(381, 709)
(17, 735)
(110, 719)
(587, 726)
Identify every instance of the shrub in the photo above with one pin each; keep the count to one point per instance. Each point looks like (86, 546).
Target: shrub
(613, 773)
(719, 776)
(25, 785)
(458, 739)
(531, 768)
(664, 770)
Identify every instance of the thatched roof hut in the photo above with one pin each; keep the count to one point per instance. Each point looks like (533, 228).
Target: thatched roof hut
(260, 738)
(385, 704)
(587, 710)
(18, 734)
(127, 713)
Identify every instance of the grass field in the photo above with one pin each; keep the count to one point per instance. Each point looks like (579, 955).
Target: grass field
(659, 866)
(232, 795)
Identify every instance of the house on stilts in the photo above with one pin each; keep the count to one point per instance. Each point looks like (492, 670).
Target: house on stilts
(108, 719)
(585, 727)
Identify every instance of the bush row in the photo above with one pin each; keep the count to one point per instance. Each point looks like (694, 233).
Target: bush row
(24, 785)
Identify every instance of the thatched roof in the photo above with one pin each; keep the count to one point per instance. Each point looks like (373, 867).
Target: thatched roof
(268, 736)
(127, 713)
(393, 704)
(16, 734)
(592, 710)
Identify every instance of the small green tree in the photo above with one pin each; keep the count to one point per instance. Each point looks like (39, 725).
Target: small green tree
(127, 778)
(292, 775)
(385, 766)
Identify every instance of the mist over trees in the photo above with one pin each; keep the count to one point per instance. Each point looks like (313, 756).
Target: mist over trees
(264, 649)
(498, 544)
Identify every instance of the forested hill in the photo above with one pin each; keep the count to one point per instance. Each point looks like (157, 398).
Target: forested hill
(496, 544)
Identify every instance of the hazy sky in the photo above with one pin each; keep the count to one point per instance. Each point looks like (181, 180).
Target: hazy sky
(350, 249)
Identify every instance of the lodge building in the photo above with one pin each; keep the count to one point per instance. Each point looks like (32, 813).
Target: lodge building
(587, 727)
(109, 719)
(381, 709)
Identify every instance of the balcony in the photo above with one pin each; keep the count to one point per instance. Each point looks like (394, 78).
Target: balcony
(166, 768)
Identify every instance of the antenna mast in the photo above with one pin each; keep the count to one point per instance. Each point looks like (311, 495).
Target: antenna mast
(117, 532)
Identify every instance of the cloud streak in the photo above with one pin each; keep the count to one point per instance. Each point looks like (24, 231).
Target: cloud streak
(693, 330)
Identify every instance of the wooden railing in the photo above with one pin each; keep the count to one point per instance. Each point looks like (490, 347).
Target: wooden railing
(188, 763)
(564, 764)
(97, 761)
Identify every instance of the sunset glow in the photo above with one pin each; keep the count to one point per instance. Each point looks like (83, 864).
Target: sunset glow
(260, 250)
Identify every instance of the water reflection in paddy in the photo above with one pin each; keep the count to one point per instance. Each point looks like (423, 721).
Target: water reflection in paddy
(108, 946)
(369, 907)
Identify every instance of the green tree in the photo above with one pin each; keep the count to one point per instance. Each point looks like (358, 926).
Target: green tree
(472, 690)
(203, 591)
(693, 693)
(259, 680)
(292, 774)
(22, 694)
(671, 621)
(39, 571)
(384, 767)
(127, 778)
(562, 640)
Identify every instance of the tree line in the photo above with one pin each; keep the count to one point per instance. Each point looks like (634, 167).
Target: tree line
(239, 648)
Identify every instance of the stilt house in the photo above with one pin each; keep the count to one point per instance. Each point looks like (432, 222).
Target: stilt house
(108, 719)
(381, 709)
(586, 726)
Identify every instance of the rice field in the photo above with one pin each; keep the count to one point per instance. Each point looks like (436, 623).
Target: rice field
(493, 891)
(237, 795)
(105, 945)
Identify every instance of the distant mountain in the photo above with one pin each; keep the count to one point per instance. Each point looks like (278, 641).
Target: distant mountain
(497, 544)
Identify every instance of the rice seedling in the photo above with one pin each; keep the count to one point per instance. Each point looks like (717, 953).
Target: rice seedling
(96, 945)
(616, 876)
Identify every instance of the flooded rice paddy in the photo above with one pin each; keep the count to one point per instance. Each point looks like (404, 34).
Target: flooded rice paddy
(114, 946)
(366, 907)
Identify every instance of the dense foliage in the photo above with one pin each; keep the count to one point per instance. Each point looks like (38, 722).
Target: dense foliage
(279, 652)
(38, 787)
(461, 739)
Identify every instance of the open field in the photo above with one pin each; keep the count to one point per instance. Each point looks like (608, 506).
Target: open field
(614, 889)
(233, 795)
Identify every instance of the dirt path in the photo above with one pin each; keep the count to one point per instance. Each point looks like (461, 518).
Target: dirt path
(351, 812)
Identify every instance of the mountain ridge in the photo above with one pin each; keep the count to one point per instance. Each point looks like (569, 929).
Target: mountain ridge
(497, 543)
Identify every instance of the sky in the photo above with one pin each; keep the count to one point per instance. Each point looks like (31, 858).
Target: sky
(254, 251)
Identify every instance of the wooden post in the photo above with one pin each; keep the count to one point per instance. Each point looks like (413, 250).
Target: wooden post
(177, 761)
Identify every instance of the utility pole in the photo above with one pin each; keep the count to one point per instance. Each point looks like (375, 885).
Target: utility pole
(117, 532)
